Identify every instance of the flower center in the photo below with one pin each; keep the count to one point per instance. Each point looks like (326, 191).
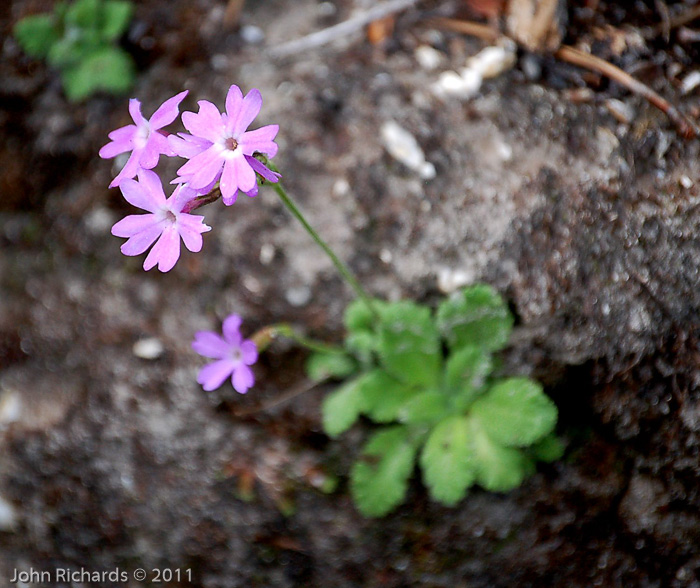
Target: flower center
(231, 144)
(170, 216)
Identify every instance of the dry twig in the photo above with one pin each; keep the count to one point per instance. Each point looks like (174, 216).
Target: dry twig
(342, 29)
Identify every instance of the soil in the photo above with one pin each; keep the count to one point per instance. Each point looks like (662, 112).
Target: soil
(586, 220)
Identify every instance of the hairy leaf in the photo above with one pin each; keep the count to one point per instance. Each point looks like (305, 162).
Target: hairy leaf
(379, 478)
(322, 366)
(342, 407)
(465, 374)
(448, 462)
(498, 468)
(409, 345)
(384, 396)
(475, 316)
(116, 16)
(516, 412)
(36, 34)
(426, 407)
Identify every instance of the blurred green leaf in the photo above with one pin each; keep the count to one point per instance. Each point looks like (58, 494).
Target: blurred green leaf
(116, 16)
(36, 34)
(466, 371)
(322, 366)
(548, 449)
(475, 316)
(379, 478)
(342, 407)
(426, 407)
(516, 412)
(498, 468)
(409, 344)
(448, 462)
(384, 396)
(109, 69)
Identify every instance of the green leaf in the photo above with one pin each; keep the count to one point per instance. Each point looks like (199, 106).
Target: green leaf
(116, 16)
(498, 468)
(36, 34)
(322, 366)
(465, 374)
(427, 407)
(447, 459)
(409, 345)
(83, 14)
(342, 407)
(548, 449)
(516, 412)
(379, 478)
(384, 396)
(475, 316)
(361, 324)
(358, 316)
(110, 69)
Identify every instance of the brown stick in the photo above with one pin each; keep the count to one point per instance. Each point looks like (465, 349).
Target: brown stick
(298, 391)
(685, 126)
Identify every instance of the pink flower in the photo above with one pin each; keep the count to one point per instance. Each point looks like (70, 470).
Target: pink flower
(233, 355)
(165, 225)
(220, 147)
(142, 138)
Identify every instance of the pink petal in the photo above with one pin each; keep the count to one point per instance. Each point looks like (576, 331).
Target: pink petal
(137, 244)
(260, 168)
(210, 344)
(165, 252)
(249, 109)
(137, 195)
(203, 168)
(135, 112)
(120, 142)
(237, 174)
(151, 151)
(234, 101)
(260, 140)
(129, 170)
(188, 146)
(207, 123)
(242, 378)
(213, 375)
(231, 329)
(151, 183)
(249, 352)
(167, 112)
(191, 238)
(134, 224)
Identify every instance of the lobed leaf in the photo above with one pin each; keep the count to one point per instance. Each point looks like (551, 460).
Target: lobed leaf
(342, 407)
(476, 316)
(322, 366)
(549, 448)
(516, 412)
(36, 34)
(379, 478)
(109, 69)
(409, 344)
(466, 371)
(498, 468)
(116, 15)
(384, 396)
(426, 407)
(448, 460)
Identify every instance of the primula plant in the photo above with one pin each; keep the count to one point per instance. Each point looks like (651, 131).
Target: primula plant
(428, 378)
(79, 39)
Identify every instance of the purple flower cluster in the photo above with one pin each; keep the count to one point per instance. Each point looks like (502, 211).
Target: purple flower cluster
(219, 149)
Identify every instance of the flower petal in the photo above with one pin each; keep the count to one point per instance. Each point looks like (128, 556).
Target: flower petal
(237, 174)
(135, 112)
(165, 252)
(234, 101)
(207, 123)
(129, 170)
(203, 168)
(210, 344)
(188, 146)
(242, 378)
(211, 376)
(249, 109)
(260, 140)
(261, 169)
(121, 142)
(137, 244)
(249, 352)
(167, 112)
(232, 329)
(137, 195)
(151, 183)
(192, 239)
(133, 224)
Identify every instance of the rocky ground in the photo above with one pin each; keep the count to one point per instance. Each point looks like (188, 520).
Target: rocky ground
(576, 199)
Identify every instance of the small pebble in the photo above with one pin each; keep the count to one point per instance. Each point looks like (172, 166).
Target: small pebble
(298, 296)
(403, 147)
(150, 348)
(252, 35)
(623, 112)
(427, 57)
(463, 86)
(492, 61)
(450, 280)
(8, 516)
(690, 82)
(267, 253)
(10, 407)
(686, 182)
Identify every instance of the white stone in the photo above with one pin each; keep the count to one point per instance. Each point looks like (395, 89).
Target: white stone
(403, 147)
(150, 348)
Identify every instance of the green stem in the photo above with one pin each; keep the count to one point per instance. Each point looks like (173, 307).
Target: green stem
(340, 266)
(286, 330)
